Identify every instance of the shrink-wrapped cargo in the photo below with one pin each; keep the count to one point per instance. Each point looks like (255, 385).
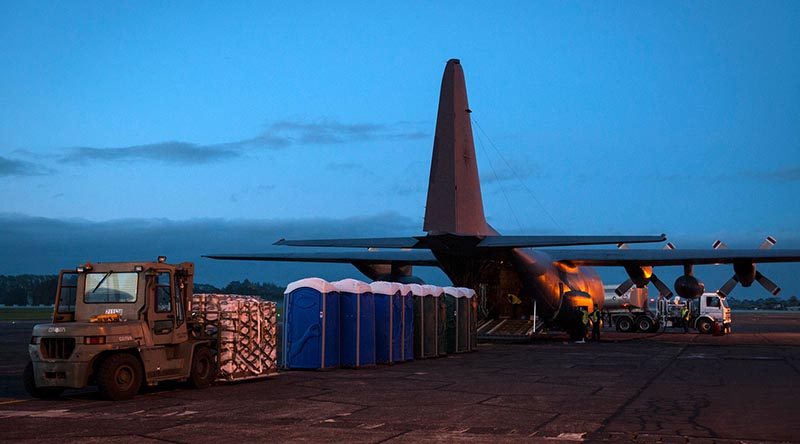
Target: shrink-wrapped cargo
(244, 329)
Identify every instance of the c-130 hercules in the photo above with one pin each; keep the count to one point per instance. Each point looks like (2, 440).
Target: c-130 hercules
(475, 255)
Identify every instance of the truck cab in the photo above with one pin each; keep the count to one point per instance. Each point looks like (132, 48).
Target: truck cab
(118, 325)
(708, 309)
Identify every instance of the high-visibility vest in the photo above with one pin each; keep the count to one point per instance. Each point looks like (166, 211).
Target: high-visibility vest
(584, 317)
(685, 313)
(595, 316)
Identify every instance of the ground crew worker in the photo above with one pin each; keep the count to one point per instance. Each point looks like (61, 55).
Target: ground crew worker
(583, 325)
(596, 317)
(685, 318)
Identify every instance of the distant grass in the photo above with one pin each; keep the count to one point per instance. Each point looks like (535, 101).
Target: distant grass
(25, 313)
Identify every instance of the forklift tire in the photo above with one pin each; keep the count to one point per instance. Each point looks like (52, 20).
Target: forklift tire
(625, 325)
(204, 368)
(119, 376)
(704, 326)
(38, 392)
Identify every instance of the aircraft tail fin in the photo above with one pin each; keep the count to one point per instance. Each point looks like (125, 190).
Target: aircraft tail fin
(454, 204)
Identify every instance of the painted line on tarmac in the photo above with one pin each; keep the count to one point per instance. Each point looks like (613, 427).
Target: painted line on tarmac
(13, 401)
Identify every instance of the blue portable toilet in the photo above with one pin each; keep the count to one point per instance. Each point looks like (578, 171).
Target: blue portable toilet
(388, 322)
(357, 322)
(311, 325)
(407, 303)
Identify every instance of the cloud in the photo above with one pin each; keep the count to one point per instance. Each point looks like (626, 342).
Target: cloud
(169, 152)
(41, 245)
(787, 174)
(332, 132)
(278, 135)
(14, 167)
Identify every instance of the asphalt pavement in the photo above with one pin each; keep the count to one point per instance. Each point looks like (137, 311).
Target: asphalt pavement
(663, 387)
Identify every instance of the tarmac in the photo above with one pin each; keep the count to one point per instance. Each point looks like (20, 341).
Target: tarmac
(666, 387)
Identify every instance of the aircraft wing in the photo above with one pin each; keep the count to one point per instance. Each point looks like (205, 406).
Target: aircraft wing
(557, 241)
(416, 257)
(670, 257)
(422, 242)
(376, 242)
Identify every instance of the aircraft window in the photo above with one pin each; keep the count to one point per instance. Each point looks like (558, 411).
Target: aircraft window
(712, 301)
(163, 294)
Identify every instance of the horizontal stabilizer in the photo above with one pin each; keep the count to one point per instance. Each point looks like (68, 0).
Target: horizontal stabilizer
(415, 257)
(377, 242)
(563, 241)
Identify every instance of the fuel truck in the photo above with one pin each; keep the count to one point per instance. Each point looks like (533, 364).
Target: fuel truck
(632, 311)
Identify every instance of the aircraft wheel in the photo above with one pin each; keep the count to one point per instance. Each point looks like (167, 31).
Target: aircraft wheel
(704, 326)
(625, 325)
(29, 382)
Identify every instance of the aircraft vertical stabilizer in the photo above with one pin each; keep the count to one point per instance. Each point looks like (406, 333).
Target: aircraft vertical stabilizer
(454, 203)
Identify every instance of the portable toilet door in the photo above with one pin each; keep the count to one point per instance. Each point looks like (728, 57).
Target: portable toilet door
(387, 324)
(424, 346)
(407, 303)
(311, 325)
(435, 328)
(397, 323)
(473, 317)
(441, 323)
(464, 324)
(452, 296)
(357, 323)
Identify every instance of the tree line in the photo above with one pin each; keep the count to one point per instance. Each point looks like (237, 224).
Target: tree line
(28, 289)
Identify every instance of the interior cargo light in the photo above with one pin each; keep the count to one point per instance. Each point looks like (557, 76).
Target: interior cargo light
(138, 268)
(94, 340)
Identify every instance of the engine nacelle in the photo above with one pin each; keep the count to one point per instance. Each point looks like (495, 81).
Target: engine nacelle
(745, 272)
(688, 286)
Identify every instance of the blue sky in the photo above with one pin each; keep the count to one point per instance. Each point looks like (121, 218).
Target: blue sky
(592, 117)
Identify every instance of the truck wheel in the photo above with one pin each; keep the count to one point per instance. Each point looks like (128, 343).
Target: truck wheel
(204, 368)
(704, 326)
(29, 382)
(625, 325)
(119, 376)
(643, 323)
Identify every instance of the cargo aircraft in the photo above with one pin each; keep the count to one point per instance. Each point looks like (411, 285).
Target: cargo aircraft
(473, 254)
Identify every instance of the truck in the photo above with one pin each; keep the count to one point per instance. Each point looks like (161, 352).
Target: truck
(630, 312)
(123, 325)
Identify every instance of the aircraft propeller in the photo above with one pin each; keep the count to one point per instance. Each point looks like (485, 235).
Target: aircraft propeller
(745, 272)
(642, 276)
